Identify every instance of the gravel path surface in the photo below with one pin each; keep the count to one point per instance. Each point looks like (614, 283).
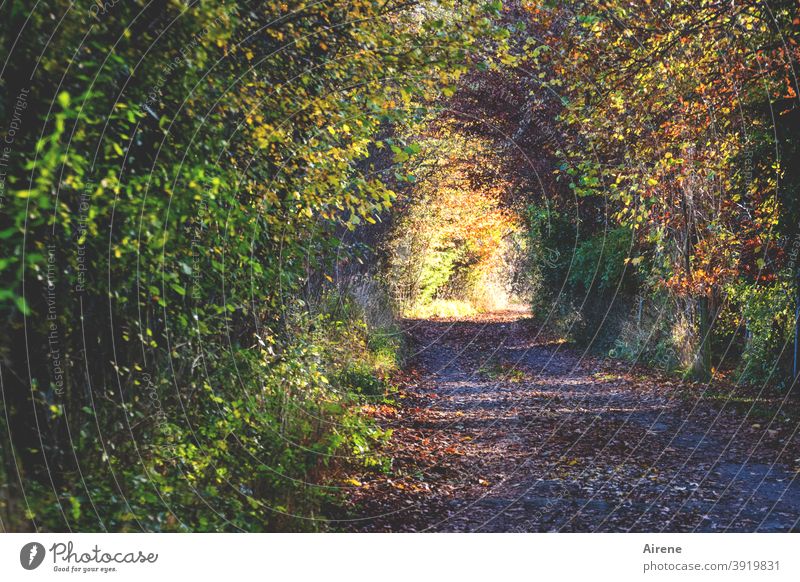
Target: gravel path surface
(501, 429)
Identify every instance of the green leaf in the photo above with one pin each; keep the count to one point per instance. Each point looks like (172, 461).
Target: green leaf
(63, 99)
(22, 305)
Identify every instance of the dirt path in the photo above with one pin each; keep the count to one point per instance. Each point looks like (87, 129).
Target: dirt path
(500, 429)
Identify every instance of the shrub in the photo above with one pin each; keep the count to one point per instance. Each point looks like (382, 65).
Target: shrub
(768, 315)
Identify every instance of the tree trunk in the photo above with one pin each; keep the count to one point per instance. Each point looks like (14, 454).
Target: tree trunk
(702, 363)
(796, 358)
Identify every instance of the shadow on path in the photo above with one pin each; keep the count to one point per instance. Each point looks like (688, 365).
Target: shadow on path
(503, 429)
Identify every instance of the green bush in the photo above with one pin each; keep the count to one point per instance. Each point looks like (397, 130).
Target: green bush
(768, 312)
(361, 379)
(552, 238)
(601, 264)
(164, 219)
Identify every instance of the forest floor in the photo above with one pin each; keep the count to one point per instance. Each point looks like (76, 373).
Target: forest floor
(500, 428)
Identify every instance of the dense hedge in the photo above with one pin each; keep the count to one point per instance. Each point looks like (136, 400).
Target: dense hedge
(175, 179)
